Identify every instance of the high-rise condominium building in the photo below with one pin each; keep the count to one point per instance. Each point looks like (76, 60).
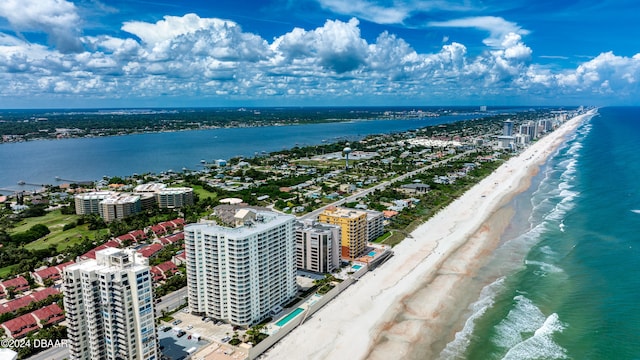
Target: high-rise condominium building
(239, 274)
(109, 307)
(119, 207)
(375, 224)
(317, 246)
(507, 128)
(89, 203)
(171, 198)
(353, 225)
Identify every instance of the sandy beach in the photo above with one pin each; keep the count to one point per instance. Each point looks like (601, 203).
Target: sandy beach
(419, 295)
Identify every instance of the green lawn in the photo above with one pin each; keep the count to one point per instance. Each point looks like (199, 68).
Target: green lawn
(202, 193)
(64, 239)
(54, 220)
(5, 271)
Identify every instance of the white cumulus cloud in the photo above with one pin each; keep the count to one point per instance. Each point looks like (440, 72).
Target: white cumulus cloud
(57, 18)
(497, 27)
(205, 58)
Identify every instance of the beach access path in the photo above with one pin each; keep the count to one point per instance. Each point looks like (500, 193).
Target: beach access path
(371, 318)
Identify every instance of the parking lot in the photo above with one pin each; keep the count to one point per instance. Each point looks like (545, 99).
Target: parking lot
(193, 326)
(174, 347)
(207, 330)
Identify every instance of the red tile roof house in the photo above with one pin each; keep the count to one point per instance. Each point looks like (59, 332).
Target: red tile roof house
(22, 325)
(164, 270)
(158, 230)
(54, 273)
(168, 226)
(19, 284)
(175, 223)
(91, 254)
(180, 259)
(150, 251)
(24, 301)
(171, 239)
(48, 315)
(133, 236)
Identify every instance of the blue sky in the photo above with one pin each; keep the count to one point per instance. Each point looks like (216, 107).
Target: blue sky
(147, 53)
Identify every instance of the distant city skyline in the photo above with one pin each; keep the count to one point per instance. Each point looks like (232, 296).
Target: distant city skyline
(61, 53)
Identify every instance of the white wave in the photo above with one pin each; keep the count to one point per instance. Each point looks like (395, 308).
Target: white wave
(548, 251)
(541, 344)
(549, 268)
(635, 211)
(456, 348)
(525, 317)
(527, 333)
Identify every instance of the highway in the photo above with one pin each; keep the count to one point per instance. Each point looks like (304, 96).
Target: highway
(171, 301)
(362, 193)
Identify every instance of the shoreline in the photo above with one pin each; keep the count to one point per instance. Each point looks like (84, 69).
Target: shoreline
(376, 317)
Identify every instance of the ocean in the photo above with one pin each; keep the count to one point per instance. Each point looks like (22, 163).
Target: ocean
(565, 281)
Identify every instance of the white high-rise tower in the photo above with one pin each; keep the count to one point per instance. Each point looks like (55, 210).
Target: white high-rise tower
(109, 307)
(240, 274)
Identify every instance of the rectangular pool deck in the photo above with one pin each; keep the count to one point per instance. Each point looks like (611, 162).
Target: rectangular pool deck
(282, 322)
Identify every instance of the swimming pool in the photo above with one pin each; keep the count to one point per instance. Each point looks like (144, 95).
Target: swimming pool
(372, 253)
(356, 267)
(288, 318)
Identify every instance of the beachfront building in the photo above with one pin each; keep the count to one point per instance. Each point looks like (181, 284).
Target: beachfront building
(507, 128)
(353, 226)
(109, 307)
(119, 207)
(89, 203)
(375, 224)
(317, 246)
(240, 273)
(505, 142)
(171, 198)
(530, 129)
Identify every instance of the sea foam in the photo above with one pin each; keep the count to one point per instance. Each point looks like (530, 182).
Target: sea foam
(455, 349)
(526, 333)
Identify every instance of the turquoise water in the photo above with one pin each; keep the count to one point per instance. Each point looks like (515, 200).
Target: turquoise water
(575, 291)
(372, 253)
(288, 318)
(356, 267)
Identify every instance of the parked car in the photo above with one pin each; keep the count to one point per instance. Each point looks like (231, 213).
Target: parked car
(165, 328)
(176, 322)
(225, 339)
(189, 327)
(207, 319)
(181, 333)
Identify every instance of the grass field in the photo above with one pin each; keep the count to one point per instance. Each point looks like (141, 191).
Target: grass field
(64, 239)
(55, 221)
(6, 271)
(202, 193)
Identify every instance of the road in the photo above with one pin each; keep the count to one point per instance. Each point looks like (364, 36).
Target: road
(176, 298)
(362, 193)
(54, 353)
(171, 301)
